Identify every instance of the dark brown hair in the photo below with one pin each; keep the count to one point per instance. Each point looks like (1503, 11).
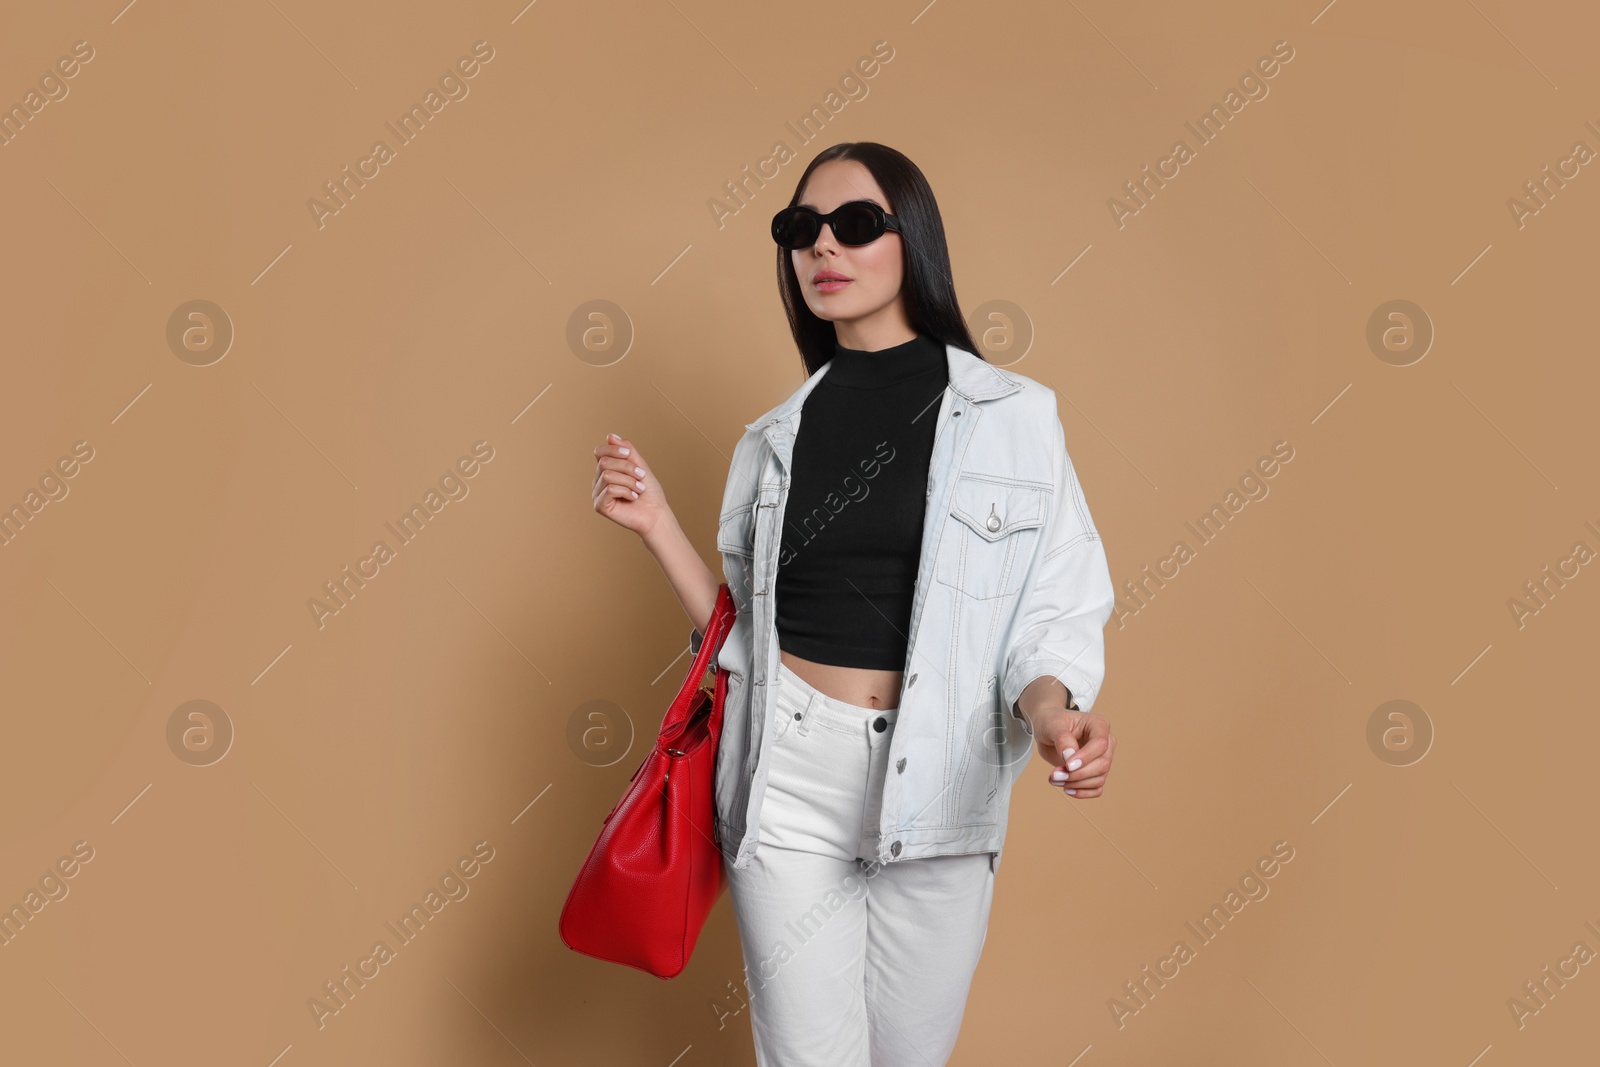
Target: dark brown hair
(929, 289)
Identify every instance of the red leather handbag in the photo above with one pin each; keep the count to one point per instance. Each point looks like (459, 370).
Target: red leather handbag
(651, 879)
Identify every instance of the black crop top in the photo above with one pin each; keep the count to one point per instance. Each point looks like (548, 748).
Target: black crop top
(852, 525)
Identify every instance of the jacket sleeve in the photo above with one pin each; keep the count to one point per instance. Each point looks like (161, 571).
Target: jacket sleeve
(1066, 598)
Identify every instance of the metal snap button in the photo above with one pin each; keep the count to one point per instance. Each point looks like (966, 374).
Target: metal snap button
(912, 681)
(900, 768)
(994, 520)
(797, 715)
(894, 849)
(881, 724)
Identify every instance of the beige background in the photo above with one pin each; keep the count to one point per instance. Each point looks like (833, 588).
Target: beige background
(1432, 876)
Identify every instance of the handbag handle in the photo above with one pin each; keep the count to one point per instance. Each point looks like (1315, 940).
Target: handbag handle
(723, 617)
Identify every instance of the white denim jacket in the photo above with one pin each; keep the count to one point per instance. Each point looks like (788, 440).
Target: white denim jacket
(1019, 589)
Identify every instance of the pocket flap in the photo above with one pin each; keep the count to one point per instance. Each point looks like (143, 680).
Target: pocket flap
(994, 508)
(736, 531)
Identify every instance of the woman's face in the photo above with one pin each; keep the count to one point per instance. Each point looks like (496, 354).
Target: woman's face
(874, 270)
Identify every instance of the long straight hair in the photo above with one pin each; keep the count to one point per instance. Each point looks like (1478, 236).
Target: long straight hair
(929, 289)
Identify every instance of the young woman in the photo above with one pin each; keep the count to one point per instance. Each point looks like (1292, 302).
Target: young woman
(921, 595)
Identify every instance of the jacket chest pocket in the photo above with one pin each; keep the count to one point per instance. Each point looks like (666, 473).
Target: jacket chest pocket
(991, 534)
(736, 540)
(736, 531)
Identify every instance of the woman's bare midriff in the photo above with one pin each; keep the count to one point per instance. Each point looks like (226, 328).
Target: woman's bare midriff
(854, 685)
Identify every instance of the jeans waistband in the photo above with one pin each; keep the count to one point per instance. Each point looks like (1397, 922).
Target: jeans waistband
(796, 695)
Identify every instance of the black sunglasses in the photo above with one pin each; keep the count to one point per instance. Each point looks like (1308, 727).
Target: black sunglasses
(859, 222)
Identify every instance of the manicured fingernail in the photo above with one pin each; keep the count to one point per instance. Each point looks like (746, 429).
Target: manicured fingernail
(1075, 764)
(624, 451)
(1074, 792)
(1058, 776)
(639, 471)
(639, 484)
(1068, 752)
(635, 496)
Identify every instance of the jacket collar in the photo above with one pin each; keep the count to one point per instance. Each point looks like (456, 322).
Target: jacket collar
(971, 377)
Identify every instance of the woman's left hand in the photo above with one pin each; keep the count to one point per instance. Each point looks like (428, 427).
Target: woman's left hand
(1079, 745)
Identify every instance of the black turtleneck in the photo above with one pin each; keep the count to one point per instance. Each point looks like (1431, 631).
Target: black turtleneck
(852, 526)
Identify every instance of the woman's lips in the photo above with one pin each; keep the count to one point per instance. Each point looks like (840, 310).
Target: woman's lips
(831, 285)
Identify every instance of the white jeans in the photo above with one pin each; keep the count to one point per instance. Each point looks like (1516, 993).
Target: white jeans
(849, 962)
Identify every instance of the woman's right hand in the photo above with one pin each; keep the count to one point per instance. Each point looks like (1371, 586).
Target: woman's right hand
(625, 490)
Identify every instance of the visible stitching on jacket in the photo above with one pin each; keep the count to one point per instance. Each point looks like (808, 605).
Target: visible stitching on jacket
(1078, 540)
(1075, 487)
(946, 812)
(952, 809)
